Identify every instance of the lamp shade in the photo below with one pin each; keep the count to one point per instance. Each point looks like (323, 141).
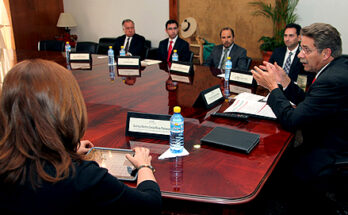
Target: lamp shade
(66, 20)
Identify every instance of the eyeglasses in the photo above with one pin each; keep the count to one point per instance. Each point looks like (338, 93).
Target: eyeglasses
(306, 50)
(172, 28)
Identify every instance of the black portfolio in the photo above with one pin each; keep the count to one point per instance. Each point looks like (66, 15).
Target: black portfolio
(239, 140)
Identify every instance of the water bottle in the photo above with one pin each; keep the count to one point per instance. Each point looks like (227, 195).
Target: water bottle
(122, 51)
(176, 140)
(67, 51)
(228, 67)
(175, 56)
(111, 57)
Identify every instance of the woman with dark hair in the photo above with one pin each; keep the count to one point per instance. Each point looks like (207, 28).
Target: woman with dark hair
(42, 119)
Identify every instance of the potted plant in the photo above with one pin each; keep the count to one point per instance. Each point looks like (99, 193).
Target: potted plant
(282, 13)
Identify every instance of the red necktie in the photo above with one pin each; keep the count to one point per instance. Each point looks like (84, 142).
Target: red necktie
(314, 80)
(169, 50)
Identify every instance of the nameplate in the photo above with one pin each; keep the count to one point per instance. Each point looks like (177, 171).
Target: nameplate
(80, 65)
(148, 125)
(80, 56)
(178, 67)
(181, 78)
(241, 77)
(128, 72)
(128, 61)
(210, 97)
(238, 89)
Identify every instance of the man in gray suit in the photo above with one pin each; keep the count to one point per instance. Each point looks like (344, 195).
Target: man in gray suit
(219, 53)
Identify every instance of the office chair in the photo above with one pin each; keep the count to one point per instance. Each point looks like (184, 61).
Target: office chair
(104, 44)
(51, 45)
(87, 47)
(249, 60)
(191, 56)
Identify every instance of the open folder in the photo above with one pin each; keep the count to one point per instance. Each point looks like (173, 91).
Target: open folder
(239, 140)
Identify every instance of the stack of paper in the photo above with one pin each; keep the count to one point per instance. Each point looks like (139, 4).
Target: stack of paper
(251, 104)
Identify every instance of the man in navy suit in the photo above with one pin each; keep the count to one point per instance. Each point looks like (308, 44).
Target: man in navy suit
(132, 42)
(321, 113)
(173, 42)
(286, 56)
(218, 57)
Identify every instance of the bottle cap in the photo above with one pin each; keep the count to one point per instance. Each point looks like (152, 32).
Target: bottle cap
(175, 50)
(67, 42)
(110, 47)
(122, 47)
(177, 109)
(228, 58)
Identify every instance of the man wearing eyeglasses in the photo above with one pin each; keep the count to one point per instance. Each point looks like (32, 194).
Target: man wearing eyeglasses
(173, 42)
(321, 113)
(133, 43)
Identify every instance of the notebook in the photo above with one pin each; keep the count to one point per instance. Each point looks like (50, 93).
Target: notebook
(239, 140)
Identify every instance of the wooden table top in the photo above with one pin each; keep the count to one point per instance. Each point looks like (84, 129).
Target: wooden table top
(208, 173)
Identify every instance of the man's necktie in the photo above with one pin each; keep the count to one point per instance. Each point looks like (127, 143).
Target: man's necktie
(224, 59)
(127, 45)
(169, 50)
(288, 63)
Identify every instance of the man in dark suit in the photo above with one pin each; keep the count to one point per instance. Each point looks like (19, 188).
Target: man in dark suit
(286, 56)
(218, 55)
(132, 42)
(321, 113)
(173, 42)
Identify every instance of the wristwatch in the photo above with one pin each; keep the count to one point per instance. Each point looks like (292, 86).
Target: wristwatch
(148, 166)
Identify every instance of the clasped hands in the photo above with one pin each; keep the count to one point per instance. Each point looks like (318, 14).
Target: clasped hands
(270, 75)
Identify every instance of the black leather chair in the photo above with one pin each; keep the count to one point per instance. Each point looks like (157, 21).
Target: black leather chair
(191, 56)
(104, 44)
(87, 47)
(249, 60)
(51, 45)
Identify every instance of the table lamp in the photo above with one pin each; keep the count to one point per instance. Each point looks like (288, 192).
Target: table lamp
(66, 20)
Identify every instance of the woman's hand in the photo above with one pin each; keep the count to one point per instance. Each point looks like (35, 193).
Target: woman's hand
(85, 146)
(141, 157)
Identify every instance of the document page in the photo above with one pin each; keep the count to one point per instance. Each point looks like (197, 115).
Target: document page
(251, 104)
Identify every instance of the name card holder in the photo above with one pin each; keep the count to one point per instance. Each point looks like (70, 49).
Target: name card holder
(182, 78)
(148, 125)
(242, 77)
(128, 62)
(80, 61)
(210, 97)
(128, 72)
(181, 68)
(243, 81)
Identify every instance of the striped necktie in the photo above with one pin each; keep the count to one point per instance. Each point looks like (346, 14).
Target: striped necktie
(288, 63)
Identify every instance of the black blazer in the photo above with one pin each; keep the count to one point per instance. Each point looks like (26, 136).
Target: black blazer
(296, 67)
(322, 115)
(180, 45)
(238, 57)
(136, 47)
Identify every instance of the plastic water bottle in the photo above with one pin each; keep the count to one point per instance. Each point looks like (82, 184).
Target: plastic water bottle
(228, 67)
(111, 57)
(122, 51)
(175, 56)
(176, 131)
(67, 52)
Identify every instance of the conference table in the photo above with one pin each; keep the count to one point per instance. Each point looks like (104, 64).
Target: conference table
(209, 174)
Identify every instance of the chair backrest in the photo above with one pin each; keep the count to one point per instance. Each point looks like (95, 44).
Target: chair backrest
(104, 44)
(87, 47)
(249, 60)
(191, 56)
(146, 52)
(51, 45)
(147, 44)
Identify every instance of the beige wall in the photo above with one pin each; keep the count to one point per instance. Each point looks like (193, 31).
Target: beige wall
(212, 15)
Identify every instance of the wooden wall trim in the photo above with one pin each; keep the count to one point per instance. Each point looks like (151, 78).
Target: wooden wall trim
(173, 10)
